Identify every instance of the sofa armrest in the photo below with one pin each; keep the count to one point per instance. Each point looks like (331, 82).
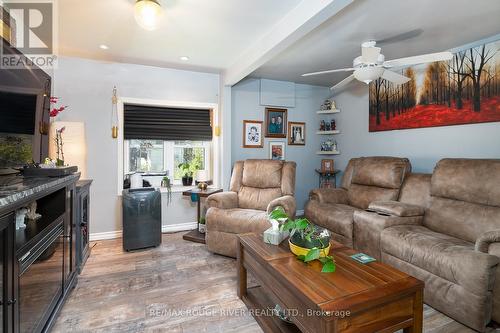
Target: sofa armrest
(485, 240)
(368, 227)
(396, 208)
(329, 195)
(287, 202)
(223, 200)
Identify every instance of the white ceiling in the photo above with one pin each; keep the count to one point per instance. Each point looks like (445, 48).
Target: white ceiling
(446, 24)
(212, 33)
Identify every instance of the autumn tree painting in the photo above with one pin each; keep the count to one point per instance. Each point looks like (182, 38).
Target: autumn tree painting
(464, 90)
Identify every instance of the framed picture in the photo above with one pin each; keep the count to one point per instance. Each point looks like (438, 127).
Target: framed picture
(276, 123)
(277, 150)
(252, 134)
(296, 134)
(327, 166)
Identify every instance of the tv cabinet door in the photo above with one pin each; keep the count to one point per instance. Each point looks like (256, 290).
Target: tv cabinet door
(6, 273)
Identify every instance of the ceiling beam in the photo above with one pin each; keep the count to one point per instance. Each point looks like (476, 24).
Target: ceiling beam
(297, 23)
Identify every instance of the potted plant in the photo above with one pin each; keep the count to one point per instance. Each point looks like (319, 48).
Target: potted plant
(201, 225)
(165, 182)
(307, 241)
(187, 174)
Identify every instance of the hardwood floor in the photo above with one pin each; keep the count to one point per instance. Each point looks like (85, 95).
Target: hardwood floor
(177, 287)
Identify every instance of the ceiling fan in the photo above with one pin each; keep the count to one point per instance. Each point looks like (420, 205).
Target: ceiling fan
(372, 65)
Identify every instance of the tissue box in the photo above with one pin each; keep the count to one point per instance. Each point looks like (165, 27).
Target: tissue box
(274, 237)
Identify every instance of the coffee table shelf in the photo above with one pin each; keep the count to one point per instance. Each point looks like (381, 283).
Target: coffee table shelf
(257, 299)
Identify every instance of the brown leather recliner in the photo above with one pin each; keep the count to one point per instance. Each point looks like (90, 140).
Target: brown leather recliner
(365, 180)
(453, 244)
(257, 187)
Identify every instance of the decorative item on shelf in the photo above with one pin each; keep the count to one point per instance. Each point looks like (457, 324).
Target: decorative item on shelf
(114, 115)
(327, 105)
(59, 146)
(327, 126)
(333, 106)
(327, 166)
(31, 213)
(166, 183)
(20, 218)
(333, 125)
(252, 134)
(329, 145)
(277, 150)
(276, 123)
(201, 225)
(322, 125)
(307, 241)
(296, 133)
(202, 177)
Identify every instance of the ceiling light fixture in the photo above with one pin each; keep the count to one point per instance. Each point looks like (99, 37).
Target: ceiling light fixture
(147, 14)
(184, 58)
(104, 47)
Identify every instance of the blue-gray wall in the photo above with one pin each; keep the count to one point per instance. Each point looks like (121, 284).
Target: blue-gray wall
(246, 106)
(424, 146)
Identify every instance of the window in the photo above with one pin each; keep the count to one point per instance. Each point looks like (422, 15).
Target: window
(151, 156)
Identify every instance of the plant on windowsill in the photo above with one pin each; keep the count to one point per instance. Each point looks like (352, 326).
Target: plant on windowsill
(187, 174)
(307, 241)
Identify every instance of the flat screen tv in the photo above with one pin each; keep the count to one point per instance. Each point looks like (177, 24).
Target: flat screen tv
(24, 114)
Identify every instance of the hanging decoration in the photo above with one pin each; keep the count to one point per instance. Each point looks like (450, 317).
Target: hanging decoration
(114, 115)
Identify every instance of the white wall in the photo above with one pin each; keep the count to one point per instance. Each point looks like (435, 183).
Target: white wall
(86, 87)
(246, 106)
(424, 146)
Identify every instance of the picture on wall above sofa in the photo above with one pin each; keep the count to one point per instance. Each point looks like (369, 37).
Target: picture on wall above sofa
(464, 90)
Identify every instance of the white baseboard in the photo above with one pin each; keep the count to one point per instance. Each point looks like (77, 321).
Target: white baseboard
(164, 229)
(299, 212)
(105, 235)
(179, 227)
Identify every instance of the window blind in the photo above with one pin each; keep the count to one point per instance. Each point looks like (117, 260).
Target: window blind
(160, 123)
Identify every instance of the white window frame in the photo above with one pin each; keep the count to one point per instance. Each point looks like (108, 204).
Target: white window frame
(169, 156)
(216, 145)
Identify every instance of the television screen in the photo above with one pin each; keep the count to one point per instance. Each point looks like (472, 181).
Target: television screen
(17, 128)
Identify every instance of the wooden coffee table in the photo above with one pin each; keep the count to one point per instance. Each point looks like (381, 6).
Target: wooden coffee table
(356, 298)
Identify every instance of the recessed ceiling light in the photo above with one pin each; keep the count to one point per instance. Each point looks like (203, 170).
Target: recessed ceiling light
(104, 47)
(184, 58)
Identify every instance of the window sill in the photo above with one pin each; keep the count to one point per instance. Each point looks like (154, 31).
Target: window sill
(175, 189)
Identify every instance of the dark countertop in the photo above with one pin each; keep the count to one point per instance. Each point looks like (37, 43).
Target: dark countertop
(17, 189)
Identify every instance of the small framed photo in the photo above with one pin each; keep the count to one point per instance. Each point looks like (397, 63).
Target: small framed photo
(277, 150)
(296, 133)
(276, 123)
(252, 134)
(327, 166)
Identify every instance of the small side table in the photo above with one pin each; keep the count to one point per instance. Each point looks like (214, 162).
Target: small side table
(196, 235)
(325, 178)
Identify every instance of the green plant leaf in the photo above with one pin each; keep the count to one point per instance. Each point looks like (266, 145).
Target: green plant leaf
(301, 224)
(313, 254)
(301, 257)
(328, 267)
(278, 213)
(288, 226)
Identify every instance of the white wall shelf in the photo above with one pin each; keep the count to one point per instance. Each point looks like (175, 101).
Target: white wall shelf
(328, 132)
(333, 152)
(328, 111)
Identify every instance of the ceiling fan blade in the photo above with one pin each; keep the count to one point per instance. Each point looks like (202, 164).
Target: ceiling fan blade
(395, 77)
(400, 37)
(329, 71)
(343, 83)
(370, 54)
(421, 59)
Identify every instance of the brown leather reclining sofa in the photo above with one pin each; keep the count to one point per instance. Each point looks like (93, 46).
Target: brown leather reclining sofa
(444, 229)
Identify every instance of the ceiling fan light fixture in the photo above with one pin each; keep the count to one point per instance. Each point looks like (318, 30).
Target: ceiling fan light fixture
(148, 14)
(368, 74)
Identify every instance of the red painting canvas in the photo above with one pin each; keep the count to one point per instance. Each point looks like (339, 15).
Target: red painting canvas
(464, 90)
